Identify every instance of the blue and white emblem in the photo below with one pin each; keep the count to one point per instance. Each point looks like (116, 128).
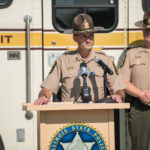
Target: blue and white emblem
(77, 137)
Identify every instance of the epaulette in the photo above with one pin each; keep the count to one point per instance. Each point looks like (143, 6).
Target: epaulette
(133, 47)
(101, 52)
(104, 54)
(70, 52)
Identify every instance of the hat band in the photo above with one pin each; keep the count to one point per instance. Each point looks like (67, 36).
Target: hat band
(82, 31)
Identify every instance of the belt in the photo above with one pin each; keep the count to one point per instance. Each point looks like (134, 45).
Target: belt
(135, 100)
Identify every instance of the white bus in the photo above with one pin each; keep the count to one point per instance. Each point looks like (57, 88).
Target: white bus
(32, 35)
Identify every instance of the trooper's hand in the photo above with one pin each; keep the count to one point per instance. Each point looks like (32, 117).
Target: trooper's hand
(41, 100)
(145, 98)
(115, 97)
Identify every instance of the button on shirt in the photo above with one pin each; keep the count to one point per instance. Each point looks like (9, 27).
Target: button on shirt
(66, 72)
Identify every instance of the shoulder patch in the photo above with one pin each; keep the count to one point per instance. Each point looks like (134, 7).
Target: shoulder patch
(53, 66)
(116, 70)
(101, 52)
(70, 52)
(122, 62)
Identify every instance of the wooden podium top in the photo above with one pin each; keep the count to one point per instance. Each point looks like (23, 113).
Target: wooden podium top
(54, 106)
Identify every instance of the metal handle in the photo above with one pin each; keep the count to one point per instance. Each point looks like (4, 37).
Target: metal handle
(28, 20)
(111, 1)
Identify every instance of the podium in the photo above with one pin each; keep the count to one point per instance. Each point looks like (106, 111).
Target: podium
(81, 126)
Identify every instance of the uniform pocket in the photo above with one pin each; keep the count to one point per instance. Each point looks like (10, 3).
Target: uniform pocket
(97, 78)
(138, 67)
(70, 78)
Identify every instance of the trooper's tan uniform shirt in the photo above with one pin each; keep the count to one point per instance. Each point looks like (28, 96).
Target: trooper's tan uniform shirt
(66, 72)
(136, 68)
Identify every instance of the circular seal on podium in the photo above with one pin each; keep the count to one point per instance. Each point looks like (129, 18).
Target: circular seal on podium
(78, 136)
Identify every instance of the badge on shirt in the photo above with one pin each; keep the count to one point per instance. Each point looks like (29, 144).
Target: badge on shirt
(53, 66)
(138, 59)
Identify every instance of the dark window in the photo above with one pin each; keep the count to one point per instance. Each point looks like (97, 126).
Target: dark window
(103, 12)
(146, 4)
(5, 3)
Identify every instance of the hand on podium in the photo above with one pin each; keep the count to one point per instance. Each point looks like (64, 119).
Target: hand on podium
(115, 97)
(44, 97)
(41, 100)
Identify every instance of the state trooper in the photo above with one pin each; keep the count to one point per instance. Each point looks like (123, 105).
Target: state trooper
(65, 69)
(135, 70)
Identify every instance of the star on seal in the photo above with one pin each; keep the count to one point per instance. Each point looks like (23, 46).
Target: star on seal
(77, 144)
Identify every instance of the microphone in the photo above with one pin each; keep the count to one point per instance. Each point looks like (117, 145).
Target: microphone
(104, 66)
(84, 71)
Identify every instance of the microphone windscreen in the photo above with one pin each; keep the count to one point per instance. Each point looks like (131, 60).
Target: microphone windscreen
(84, 70)
(83, 64)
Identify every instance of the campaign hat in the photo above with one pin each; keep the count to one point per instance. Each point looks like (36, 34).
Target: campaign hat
(83, 23)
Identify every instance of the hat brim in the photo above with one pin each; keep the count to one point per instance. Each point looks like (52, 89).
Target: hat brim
(83, 31)
(95, 29)
(141, 25)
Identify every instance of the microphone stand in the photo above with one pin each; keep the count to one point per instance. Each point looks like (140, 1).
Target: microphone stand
(105, 99)
(105, 84)
(85, 93)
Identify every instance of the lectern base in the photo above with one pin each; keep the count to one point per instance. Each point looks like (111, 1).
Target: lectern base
(105, 100)
(65, 124)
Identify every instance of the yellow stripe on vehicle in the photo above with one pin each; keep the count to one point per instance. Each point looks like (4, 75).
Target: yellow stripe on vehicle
(64, 40)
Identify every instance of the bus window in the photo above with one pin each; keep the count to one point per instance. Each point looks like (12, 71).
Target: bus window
(146, 4)
(5, 3)
(103, 12)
